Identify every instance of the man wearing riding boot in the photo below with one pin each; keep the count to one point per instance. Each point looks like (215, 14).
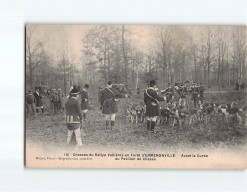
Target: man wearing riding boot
(201, 91)
(30, 103)
(38, 100)
(108, 104)
(151, 99)
(195, 93)
(84, 101)
(74, 117)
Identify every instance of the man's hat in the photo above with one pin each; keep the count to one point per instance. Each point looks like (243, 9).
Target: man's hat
(109, 83)
(152, 83)
(29, 91)
(74, 91)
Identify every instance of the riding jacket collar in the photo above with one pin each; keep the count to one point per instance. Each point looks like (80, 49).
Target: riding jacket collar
(151, 88)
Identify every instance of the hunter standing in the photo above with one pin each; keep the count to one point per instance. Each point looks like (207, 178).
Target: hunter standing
(183, 92)
(84, 101)
(38, 100)
(201, 91)
(108, 103)
(151, 99)
(195, 93)
(30, 103)
(74, 117)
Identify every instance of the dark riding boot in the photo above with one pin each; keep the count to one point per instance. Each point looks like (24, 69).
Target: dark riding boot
(194, 102)
(84, 116)
(107, 124)
(152, 126)
(112, 124)
(148, 125)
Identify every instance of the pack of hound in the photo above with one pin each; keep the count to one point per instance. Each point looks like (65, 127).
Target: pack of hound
(178, 113)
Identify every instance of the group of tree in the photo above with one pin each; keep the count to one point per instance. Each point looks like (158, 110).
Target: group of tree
(44, 69)
(213, 55)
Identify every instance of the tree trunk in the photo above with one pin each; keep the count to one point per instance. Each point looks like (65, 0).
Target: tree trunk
(137, 77)
(104, 64)
(228, 71)
(124, 57)
(64, 75)
(218, 75)
(208, 74)
(31, 71)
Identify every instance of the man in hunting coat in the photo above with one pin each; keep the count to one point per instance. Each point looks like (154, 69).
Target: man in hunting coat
(38, 100)
(30, 103)
(201, 91)
(195, 93)
(151, 99)
(73, 117)
(108, 103)
(183, 91)
(84, 101)
(242, 85)
(169, 92)
(56, 102)
(59, 93)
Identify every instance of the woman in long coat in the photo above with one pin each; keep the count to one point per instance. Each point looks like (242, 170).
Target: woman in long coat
(151, 99)
(108, 103)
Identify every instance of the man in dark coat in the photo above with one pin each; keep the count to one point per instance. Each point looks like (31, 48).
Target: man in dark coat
(30, 103)
(183, 91)
(73, 117)
(59, 93)
(237, 86)
(242, 85)
(38, 100)
(108, 103)
(151, 99)
(56, 102)
(201, 91)
(84, 101)
(195, 93)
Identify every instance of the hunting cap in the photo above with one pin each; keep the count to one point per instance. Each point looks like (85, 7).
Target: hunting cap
(109, 83)
(152, 83)
(74, 91)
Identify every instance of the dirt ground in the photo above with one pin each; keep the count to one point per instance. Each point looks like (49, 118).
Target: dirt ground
(49, 130)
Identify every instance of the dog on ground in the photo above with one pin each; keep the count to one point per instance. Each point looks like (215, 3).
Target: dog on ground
(135, 113)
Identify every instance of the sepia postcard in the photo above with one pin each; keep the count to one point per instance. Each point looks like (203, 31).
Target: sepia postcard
(135, 96)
